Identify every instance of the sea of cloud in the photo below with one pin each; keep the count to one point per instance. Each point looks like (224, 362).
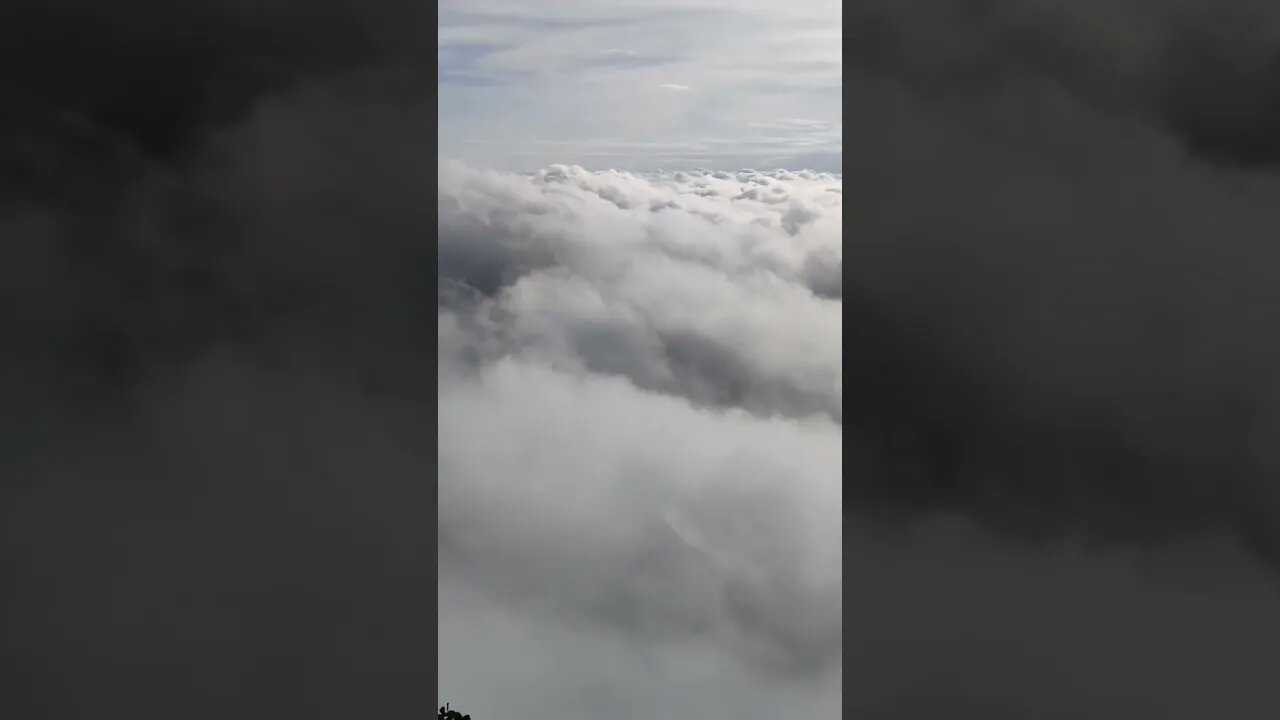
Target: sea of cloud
(640, 440)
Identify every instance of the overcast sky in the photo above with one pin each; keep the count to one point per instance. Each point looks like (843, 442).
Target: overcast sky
(725, 84)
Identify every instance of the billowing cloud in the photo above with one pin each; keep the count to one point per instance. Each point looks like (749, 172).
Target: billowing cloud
(640, 438)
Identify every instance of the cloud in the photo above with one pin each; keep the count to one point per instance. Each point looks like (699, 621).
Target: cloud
(570, 72)
(673, 86)
(640, 438)
(689, 244)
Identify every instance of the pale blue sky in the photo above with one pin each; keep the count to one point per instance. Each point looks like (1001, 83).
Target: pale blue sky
(639, 85)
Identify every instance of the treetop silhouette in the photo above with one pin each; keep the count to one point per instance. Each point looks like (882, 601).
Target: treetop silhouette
(447, 714)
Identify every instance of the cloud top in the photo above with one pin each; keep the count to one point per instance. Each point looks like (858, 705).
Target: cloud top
(640, 402)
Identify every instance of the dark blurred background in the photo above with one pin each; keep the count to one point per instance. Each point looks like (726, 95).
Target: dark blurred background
(216, 428)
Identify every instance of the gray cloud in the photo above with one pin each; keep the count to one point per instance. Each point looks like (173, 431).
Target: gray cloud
(649, 301)
(640, 437)
(608, 85)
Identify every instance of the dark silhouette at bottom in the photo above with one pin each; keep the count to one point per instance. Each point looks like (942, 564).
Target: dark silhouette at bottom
(447, 714)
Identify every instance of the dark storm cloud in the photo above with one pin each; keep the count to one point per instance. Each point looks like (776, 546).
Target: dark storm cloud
(212, 484)
(1060, 297)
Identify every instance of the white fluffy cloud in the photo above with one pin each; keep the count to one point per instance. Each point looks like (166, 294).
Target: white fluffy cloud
(640, 441)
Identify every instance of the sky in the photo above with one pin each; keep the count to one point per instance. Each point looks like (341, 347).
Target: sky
(675, 84)
(639, 359)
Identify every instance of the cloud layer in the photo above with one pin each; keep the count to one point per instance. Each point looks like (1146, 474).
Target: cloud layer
(640, 402)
